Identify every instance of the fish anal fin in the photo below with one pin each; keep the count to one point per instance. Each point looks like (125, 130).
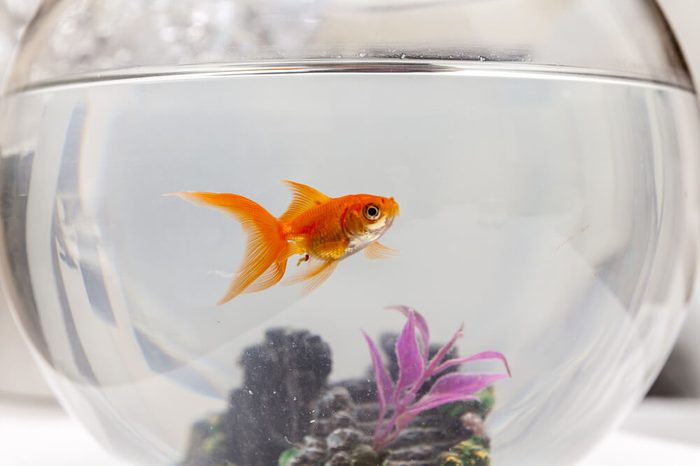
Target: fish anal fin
(377, 250)
(304, 198)
(320, 277)
(318, 274)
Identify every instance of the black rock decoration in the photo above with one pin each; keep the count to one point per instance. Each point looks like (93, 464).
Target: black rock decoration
(283, 379)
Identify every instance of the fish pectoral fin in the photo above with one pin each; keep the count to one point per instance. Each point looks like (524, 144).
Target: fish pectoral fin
(315, 277)
(304, 198)
(377, 250)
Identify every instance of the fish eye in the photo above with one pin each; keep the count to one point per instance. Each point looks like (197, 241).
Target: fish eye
(371, 212)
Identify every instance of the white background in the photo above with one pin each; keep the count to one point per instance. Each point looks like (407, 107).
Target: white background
(657, 433)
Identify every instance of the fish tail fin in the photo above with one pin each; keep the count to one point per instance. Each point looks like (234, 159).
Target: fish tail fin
(266, 250)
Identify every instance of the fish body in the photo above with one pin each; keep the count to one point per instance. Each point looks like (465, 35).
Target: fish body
(323, 230)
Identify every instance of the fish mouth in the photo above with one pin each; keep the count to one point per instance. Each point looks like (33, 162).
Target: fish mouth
(395, 208)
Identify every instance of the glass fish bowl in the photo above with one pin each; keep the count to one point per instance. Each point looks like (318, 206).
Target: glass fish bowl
(349, 232)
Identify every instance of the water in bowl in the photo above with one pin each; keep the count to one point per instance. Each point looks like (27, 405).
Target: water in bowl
(550, 213)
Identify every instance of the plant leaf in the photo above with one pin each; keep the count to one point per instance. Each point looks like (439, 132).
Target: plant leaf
(435, 402)
(404, 420)
(463, 383)
(421, 324)
(442, 352)
(454, 387)
(385, 387)
(474, 357)
(408, 354)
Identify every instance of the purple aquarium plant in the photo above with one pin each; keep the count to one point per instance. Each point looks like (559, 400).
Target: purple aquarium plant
(400, 401)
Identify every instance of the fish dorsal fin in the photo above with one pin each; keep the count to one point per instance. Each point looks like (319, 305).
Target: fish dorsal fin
(305, 198)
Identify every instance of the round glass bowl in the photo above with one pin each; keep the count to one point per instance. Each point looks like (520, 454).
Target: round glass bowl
(543, 155)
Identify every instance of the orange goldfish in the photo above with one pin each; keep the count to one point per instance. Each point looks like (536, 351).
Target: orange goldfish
(314, 226)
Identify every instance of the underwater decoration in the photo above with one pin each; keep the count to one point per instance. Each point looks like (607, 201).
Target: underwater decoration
(321, 229)
(416, 408)
(415, 369)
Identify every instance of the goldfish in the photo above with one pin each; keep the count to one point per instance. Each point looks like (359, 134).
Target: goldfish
(321, 229)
